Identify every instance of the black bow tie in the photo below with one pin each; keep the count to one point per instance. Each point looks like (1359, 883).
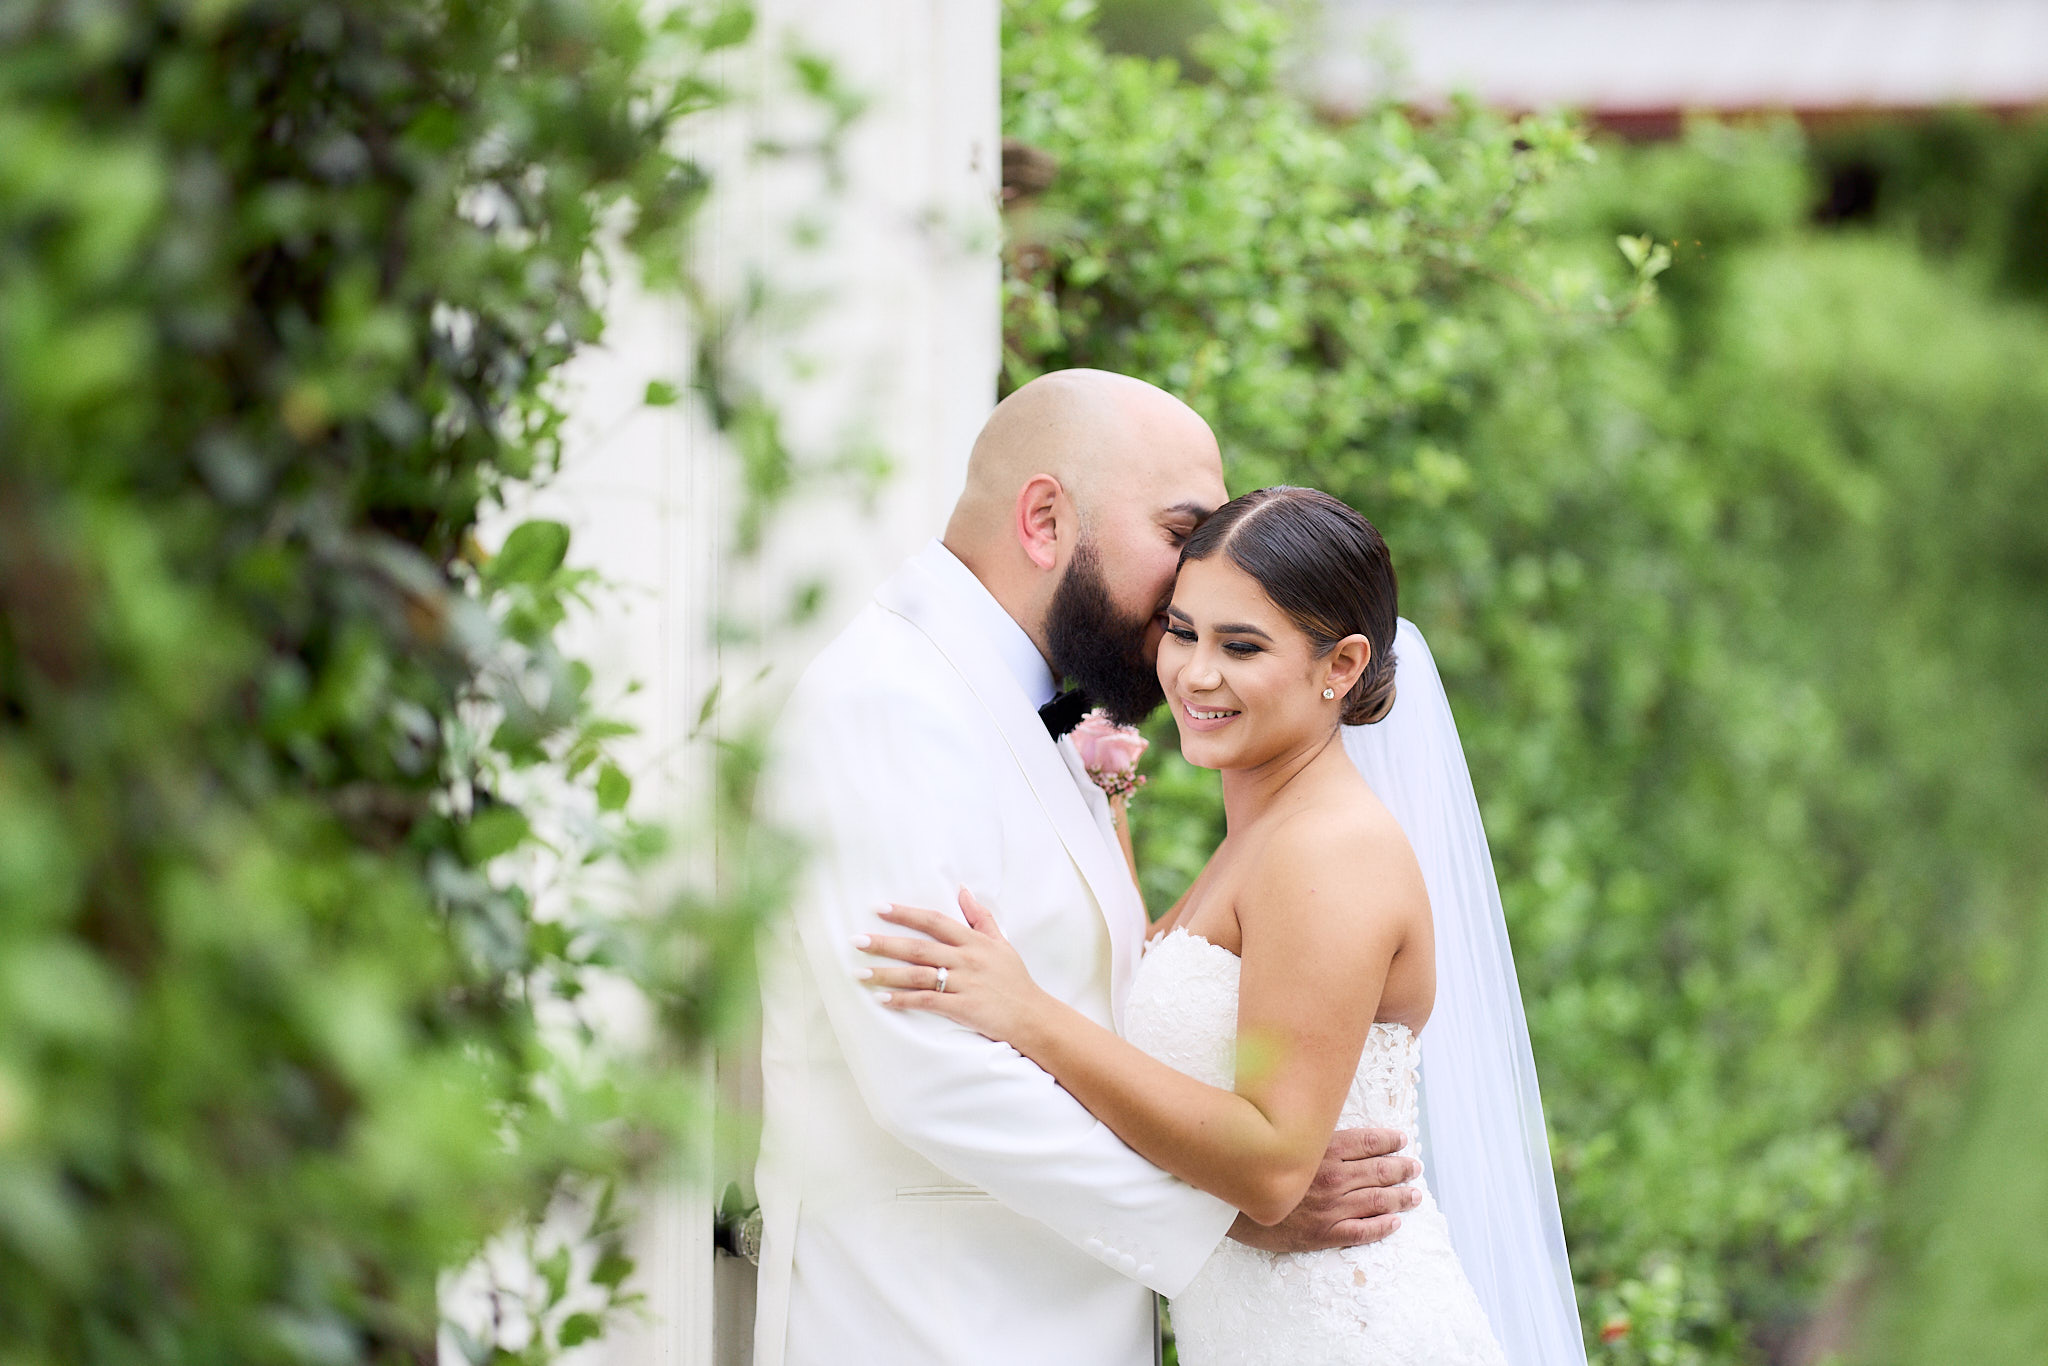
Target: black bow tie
(1064, 712)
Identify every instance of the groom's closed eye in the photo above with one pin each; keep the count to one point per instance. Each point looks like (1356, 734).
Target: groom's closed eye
(1183, 519)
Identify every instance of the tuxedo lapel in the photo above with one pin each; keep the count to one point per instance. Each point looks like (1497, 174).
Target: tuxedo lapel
(1091, 796)
(927, 602)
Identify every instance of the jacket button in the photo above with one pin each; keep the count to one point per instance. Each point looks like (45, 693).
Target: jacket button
(1127, 1262)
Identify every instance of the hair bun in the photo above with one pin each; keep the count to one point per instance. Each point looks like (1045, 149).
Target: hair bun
(1372, 696)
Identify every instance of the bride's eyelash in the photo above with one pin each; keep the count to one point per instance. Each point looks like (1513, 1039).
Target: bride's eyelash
(1186, 636)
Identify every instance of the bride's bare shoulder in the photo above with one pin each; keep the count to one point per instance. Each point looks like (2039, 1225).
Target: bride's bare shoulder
(1346, 849)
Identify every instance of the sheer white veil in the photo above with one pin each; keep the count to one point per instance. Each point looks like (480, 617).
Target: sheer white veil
(1485, 1152)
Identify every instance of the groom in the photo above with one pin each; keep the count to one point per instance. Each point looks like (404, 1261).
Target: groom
(931, 1198)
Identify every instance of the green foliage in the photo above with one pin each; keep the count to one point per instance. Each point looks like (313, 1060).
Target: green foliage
(1966, 1252)
(292, 771)
(1967, 185)
(1738, 597)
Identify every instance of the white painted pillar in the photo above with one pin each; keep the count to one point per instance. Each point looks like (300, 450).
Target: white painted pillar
(899, 356)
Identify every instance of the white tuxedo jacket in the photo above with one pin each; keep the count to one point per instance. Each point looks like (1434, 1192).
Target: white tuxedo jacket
(931, 1198)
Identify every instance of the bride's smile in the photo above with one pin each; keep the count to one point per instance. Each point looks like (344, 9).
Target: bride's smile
(1207, 720)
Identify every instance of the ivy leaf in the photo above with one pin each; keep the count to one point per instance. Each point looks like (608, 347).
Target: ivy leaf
(728, 27)
(708, 709)
(494, 831)
(555, 1271)
(611, 1270)
(613, 787)
(533, 551)
(580, 1328)
(548, 939)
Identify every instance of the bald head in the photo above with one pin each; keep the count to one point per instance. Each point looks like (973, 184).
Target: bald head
(1095, 432)
(1084, 456)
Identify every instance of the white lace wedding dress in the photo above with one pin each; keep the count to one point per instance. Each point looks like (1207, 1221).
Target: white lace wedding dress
(1403, 1301)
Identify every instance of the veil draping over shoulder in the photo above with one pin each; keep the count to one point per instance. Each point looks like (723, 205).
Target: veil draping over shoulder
(1485, 1152)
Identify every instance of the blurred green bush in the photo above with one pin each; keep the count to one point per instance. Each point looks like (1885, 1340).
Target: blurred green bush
(284, 289)
(1739, 596)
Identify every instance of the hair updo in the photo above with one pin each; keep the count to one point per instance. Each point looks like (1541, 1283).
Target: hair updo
(1323, 565)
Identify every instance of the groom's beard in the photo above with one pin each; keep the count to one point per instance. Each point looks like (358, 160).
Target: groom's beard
(1097, 650)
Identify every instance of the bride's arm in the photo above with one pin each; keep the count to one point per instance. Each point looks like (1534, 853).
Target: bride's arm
(1319, 936)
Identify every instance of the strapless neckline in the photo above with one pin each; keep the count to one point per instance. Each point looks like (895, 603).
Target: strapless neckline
(1183, 932)
(1401, 1032)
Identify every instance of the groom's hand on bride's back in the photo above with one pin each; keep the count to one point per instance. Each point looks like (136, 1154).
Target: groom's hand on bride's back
(1358, 1196)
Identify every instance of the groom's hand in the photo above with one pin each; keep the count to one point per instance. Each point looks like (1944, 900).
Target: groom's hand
(1358, 1196)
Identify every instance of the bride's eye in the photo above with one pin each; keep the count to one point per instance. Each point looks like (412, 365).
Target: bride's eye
(1181, 634)
(1242, 647)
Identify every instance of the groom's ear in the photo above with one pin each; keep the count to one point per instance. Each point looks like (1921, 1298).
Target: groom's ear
(1043, 510)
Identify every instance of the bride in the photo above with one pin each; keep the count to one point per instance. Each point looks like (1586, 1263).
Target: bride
(1285, 994)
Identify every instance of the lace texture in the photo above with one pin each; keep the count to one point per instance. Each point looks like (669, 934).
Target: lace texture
(1403, 1301)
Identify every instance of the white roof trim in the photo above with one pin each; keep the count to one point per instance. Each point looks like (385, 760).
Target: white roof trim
(1623, 56)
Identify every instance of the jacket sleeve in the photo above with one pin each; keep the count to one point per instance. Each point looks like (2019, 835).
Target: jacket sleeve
(890, 794)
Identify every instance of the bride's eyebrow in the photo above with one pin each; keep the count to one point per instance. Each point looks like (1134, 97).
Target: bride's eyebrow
(1232, 628)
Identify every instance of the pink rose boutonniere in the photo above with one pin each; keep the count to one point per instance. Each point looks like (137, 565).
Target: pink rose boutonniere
(1110, 753)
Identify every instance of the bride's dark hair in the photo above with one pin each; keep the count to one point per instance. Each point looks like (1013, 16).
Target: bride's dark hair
(1323, 565)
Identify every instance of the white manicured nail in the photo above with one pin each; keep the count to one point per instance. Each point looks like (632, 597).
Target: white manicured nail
(865, 973)
(861, 941)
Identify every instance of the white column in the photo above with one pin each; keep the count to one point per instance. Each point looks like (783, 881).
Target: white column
(903, 357)
(899, 356)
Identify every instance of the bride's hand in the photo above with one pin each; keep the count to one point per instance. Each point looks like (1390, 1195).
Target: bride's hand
(987, 987)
